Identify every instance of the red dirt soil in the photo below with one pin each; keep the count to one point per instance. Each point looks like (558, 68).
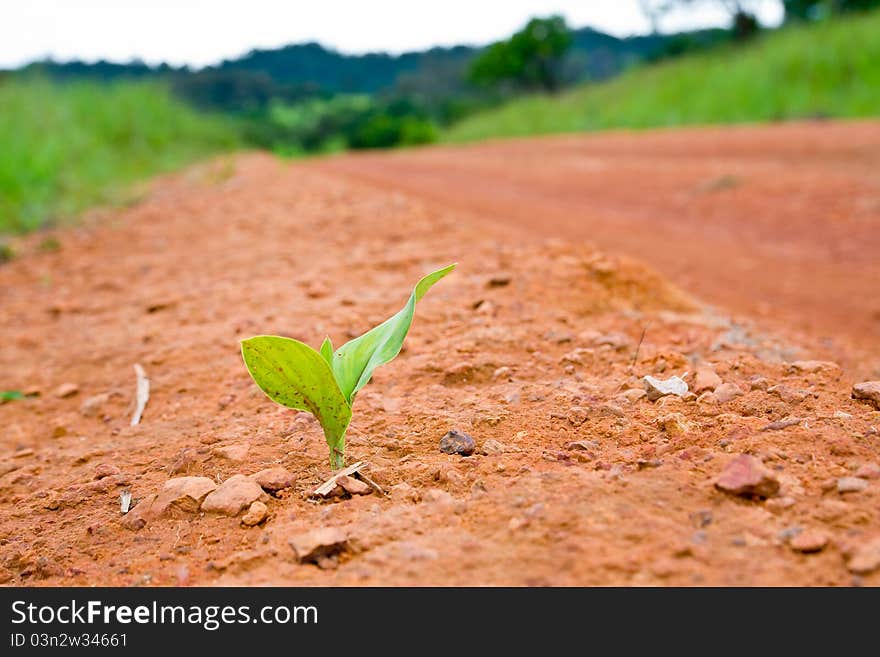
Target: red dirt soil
(778, 222)
(549, 358)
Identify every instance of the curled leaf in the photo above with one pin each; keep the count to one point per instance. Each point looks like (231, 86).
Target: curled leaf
(355, 361)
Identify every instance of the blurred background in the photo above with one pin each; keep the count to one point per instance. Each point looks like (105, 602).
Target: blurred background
(97, 95)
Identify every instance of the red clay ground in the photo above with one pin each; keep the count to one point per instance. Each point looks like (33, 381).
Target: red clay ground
(777, 222)
(527, 368)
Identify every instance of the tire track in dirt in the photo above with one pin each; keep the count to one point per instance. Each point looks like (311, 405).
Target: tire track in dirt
(780, 222)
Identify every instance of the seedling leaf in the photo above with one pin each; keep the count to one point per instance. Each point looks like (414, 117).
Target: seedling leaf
(295, 375)
(355, 361)
(10, 395)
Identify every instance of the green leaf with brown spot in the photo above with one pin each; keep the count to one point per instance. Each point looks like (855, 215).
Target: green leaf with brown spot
(295, 375)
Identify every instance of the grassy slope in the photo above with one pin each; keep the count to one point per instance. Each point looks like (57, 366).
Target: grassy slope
(830, 69)
(66, 147)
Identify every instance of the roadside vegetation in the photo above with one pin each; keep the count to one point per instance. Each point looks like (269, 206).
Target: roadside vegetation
(66, 147)
(828, 69)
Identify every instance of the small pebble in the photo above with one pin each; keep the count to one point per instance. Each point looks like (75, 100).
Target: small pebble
(456, 442)
(256, 514)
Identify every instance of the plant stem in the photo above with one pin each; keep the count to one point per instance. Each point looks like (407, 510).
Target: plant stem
(337, 449)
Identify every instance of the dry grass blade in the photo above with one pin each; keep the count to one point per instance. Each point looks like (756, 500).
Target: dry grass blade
(125, 501)
(327, 487)
(142, 394)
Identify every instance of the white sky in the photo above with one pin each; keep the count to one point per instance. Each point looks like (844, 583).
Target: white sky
(202, 32)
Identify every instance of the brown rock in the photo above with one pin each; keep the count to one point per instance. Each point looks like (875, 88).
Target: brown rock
(235, 452)
(727, 392)
(868, 392)
(788, 395)
(66, 390)
(233, 496)
(455, 442)
(632, 395)
(610, 410)
(705, 380)
(318, 544)
(868, 471)
(759, 383)
(403, 492)
(353, 486)
(812, 366)
(746, 476)
(812, 540)
(185, 459)
(492, 448)
(674, 424)
(865, 558)
(577, 415)
(582, 445)
(851, 484)
(779, 504)
(782, 424)
(256, 514)
(182, 496)
(106, 470)
(141, 514)
(274, 479)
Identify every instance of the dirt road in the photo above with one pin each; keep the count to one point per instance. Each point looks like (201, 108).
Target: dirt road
(766, 473)
(780, 222)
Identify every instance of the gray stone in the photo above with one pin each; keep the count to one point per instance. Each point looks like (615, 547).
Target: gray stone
(456, 442)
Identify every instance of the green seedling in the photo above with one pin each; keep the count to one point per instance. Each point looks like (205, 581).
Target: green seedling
(6, 253)
(12, 395)
(49, 245)
(325, 382)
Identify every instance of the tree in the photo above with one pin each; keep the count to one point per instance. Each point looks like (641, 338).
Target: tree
(804, 10)
(744, 24)
(530, 59)
(653, 11)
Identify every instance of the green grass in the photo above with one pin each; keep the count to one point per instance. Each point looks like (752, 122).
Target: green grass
(67, 147)
(829, 69)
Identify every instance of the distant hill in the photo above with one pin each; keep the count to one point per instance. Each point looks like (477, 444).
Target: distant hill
(312, 67)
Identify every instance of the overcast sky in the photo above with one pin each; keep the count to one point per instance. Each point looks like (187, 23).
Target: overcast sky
(201, 32)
